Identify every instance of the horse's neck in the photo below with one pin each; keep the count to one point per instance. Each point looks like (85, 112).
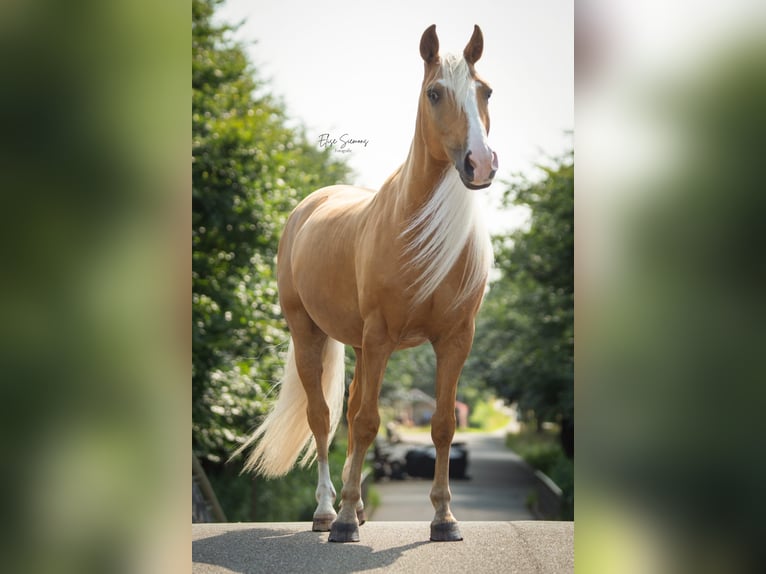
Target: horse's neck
(412, 185)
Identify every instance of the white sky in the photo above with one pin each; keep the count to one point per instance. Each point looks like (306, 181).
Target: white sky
(353, 67)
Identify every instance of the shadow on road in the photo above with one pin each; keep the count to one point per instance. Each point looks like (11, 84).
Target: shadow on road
(262, 550)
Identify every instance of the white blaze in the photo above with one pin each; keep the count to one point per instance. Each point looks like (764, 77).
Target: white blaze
(483, 159)
(457, 76)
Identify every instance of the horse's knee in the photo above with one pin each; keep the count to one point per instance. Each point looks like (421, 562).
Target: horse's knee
(366, 426)
(442, 430)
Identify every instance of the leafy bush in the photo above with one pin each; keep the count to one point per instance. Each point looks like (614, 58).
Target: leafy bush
(249, 170)
(562, 473)
(543, 452)
(248, 498)
(543, 457)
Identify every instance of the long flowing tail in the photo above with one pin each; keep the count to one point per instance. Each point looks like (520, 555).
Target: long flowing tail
(285, 432)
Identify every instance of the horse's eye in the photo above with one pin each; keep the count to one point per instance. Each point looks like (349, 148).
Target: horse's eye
(489, 93)
(433, 95)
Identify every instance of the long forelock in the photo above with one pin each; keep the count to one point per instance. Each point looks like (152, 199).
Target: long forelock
(457, 77)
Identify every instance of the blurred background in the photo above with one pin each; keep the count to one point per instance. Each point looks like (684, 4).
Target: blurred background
(95, 294)
(94, 298)
(670, 394)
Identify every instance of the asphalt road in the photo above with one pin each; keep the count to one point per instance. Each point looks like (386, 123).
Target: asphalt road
(498, 533)
(496, 490)
(522, 547)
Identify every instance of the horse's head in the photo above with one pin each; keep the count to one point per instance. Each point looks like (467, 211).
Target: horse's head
(453, 110)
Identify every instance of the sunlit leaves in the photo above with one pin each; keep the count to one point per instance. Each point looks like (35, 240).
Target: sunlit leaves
(249, 170)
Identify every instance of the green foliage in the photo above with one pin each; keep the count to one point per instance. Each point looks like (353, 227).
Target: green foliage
(539, 449)
(410, 369)
(542, 456)
(675, 389)
(542, 451)
(285, 499)
(248, 172)
(486, 417)
(562, 473)
(524, 346)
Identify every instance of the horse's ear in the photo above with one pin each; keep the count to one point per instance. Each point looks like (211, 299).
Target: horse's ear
(429, 45)
(475, 46)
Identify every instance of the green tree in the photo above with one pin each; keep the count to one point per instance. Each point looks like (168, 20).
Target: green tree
(524, 346)
(413, 368)
(249, 170)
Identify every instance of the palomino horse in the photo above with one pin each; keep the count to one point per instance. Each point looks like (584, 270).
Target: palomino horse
(382, 271)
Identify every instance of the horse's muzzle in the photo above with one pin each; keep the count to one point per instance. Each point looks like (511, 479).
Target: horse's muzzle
(468, 171)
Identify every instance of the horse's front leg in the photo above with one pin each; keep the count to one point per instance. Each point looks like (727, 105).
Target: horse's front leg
(451, 354)
(376, 349)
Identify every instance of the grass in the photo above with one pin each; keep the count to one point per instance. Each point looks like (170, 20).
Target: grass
(542, 451)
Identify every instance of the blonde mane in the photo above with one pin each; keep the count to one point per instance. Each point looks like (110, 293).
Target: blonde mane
(450, 220)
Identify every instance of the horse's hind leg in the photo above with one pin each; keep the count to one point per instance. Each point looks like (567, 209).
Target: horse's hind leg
(354, 401)
(309, 344)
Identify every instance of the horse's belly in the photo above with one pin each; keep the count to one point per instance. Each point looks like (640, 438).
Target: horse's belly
(323, 274)
(338, 325)
(331, 303)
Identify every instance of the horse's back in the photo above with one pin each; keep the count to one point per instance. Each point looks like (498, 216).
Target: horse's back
(337, 195)
(335, 201)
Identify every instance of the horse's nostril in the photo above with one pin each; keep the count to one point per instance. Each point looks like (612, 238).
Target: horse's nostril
(468, 166)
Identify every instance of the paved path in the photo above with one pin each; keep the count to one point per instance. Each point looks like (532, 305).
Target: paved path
(505, 547)
(497, 489)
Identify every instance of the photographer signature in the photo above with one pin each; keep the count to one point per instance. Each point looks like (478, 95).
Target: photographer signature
(341, 144)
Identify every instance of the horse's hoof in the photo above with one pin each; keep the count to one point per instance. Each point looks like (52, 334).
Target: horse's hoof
(445, 532)
(322, 523)
(344, 532)
(360, 516)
